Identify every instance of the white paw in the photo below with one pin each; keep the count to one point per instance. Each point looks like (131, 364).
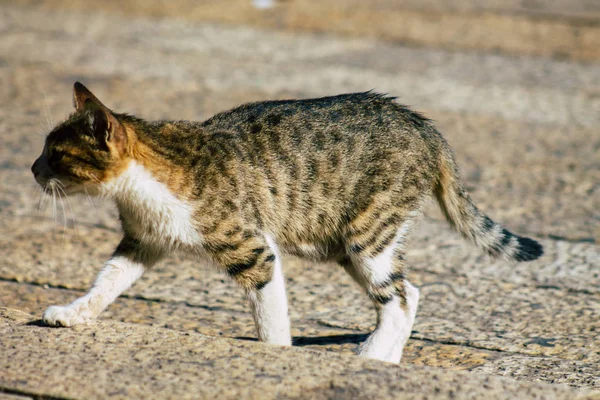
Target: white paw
(65, 316)
(377, 347)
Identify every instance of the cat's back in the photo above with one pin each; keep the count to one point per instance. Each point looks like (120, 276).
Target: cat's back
(345, 114)
(354, 137)
(273, 111)
(347, 135)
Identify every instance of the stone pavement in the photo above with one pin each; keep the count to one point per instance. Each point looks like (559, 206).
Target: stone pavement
(522, 120)
(124, 360)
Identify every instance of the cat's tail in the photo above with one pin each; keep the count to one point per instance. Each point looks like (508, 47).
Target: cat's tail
(466, 218)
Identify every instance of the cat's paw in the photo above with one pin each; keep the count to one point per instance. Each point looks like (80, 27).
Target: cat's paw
(65, 316)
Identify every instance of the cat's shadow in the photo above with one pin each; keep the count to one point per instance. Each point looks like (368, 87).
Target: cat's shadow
(301, 341)
(41, 323)
(38, 322)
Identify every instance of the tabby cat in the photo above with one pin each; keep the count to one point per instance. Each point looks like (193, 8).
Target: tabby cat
(338, 178)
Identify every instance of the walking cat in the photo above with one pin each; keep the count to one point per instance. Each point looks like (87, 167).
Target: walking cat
(338, 178)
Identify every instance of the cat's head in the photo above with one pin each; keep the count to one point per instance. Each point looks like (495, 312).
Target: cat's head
(85, 151)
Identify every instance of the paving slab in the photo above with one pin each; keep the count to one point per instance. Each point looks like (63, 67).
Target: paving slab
(541, 356)
(134, 361)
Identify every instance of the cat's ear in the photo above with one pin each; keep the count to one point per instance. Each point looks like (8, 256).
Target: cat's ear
(105, 126)
(81, 95)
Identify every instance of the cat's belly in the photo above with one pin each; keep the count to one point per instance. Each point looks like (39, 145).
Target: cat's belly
(314, 251)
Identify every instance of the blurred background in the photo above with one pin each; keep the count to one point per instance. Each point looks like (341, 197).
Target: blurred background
(513, 85)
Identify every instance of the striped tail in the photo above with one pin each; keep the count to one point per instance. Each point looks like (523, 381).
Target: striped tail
(466, 218)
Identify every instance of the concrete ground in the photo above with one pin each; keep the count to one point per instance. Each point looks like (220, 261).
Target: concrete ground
(514, 88)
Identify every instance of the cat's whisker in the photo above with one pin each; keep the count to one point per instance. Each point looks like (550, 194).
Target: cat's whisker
(46, 200)
(40, 193)
(49, 119)
(89, 198)
(53, 202)
(43, 131)
(102, 194)
(43, 201)
(61, 187)
(62, 205)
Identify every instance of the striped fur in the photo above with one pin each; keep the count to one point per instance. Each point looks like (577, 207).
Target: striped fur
(339, 178)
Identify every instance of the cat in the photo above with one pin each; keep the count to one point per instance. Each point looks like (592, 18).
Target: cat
(340, 179)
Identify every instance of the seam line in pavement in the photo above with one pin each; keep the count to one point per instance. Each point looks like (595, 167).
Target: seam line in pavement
(217, 308)
(472, 346)
(123, 296)
(32, 395)
(565, 238)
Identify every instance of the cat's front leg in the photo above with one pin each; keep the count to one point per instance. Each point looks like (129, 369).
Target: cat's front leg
(118, 274)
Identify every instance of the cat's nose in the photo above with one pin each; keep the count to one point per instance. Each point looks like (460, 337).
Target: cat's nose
(35, 168)
(40, 172)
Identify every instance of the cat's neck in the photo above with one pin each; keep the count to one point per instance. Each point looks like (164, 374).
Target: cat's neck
(150, 209)
(134, 182)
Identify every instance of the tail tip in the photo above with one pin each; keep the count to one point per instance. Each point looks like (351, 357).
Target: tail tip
(528, 250)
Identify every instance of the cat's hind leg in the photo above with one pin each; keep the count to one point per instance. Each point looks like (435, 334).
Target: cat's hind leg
(269, 305)
(380, 270)
(256, 266)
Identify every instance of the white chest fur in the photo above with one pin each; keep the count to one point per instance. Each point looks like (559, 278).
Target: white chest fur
(154, 214)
